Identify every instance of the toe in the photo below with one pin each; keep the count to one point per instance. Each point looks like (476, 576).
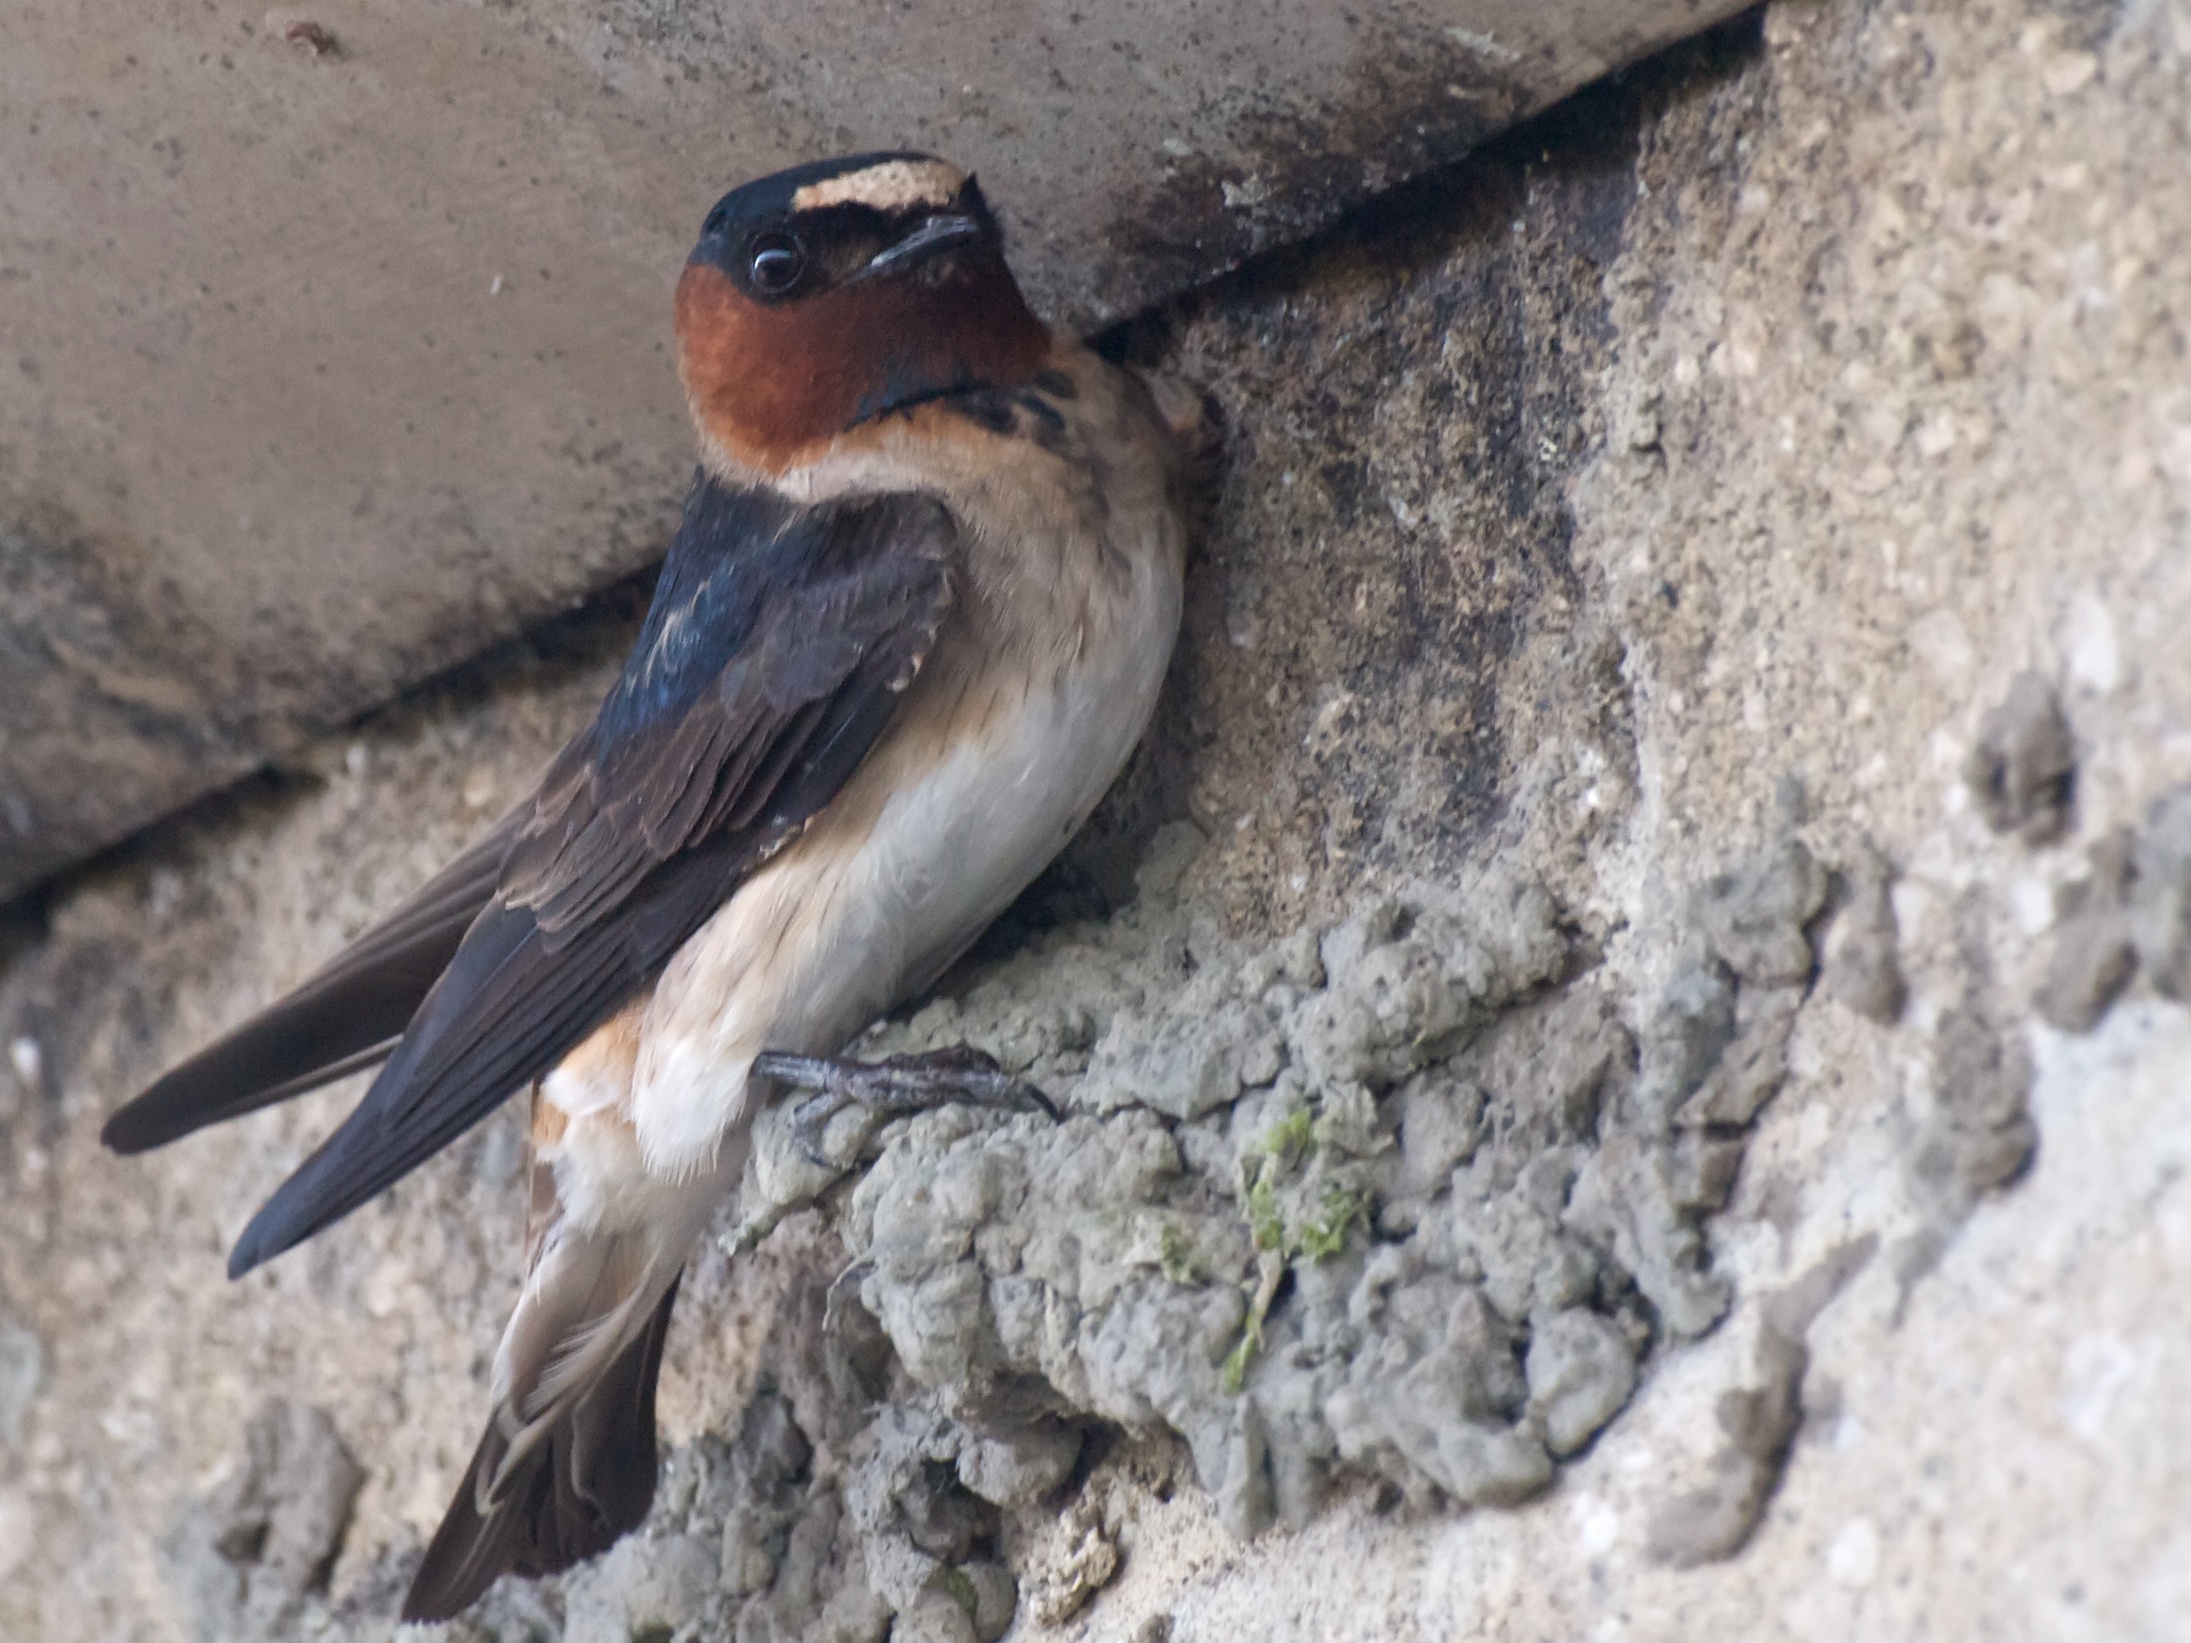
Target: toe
(810, 1121)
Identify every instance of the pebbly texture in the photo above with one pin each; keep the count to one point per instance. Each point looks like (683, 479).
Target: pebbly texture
(244, 1557)
(1550, 1021)
(2022, 769)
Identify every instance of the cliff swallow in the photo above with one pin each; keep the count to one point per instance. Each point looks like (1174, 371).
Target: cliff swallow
(912, 625)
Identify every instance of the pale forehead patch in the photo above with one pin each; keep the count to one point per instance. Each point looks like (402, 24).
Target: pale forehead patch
(894, 185)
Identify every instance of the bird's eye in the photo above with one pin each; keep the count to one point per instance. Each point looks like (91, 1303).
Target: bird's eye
(778, 261)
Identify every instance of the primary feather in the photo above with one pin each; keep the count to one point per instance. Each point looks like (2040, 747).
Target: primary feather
(778, 642)
(343, 1020)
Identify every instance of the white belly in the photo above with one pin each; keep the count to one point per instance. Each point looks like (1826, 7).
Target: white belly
(837, 928)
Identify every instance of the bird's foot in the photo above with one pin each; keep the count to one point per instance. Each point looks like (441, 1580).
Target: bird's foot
(897, 1084)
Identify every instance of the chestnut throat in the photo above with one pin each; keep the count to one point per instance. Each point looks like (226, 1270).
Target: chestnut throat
(772, 385)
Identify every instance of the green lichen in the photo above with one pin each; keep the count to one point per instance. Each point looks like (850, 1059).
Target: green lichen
(1326, 1236)
(1301, 1199)
(1270, 1269)
(1234, 1375)
(1266, 1225)
(1291, 1138)
(1174, 1257)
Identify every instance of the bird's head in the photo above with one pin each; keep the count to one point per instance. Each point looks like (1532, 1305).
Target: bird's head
(827, 296)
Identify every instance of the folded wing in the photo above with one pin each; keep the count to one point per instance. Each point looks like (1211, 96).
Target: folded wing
(778, 644)
(345, 1019)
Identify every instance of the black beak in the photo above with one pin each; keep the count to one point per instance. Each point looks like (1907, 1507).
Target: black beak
(938, 234)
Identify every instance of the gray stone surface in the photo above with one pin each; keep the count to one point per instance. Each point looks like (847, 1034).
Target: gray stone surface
(338, 337)
(2022, 769)
(1863, 966)
(1215, 1276)
(246, 1556)
(1765, 416)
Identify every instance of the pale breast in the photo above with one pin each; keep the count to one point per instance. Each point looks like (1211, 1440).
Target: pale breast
(1039, 686)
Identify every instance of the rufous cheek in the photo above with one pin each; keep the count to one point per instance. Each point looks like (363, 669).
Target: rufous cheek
(765, 382)
(770, 386)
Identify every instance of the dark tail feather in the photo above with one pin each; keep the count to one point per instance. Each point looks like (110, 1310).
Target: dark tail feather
(344, 1019)
(461, 1057)
(579, 1492)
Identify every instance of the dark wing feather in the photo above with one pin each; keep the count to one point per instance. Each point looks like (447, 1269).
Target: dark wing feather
(344, 1019)
(762, 678)
(573, 1496)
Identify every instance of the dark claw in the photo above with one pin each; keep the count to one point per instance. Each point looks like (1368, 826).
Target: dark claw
(976, 1078)
(1027, 1098)
(810, 1127)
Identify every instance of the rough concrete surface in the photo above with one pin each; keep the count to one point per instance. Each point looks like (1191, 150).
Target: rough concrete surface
(1624, 1047)
(337, 335)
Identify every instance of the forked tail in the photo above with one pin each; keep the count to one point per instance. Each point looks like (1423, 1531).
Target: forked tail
(575, 1487)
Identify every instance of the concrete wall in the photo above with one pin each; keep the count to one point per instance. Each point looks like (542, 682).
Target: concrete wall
(338, 343)
(1625, 1042)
